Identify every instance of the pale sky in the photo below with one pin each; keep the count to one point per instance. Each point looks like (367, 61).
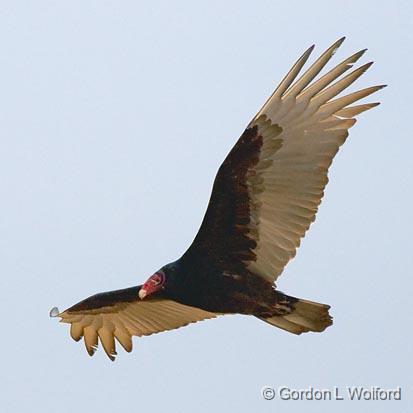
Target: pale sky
(114, 119)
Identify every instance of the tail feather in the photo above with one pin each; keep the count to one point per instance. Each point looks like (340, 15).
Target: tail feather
(305, 316)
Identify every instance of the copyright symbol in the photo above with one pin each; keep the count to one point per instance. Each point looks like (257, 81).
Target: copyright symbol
(268, 393)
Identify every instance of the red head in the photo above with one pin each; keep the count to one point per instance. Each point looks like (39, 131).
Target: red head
(153, 284)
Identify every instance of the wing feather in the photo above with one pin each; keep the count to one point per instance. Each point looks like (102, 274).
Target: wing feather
(314, 69)
(90, 334)
(291, 75)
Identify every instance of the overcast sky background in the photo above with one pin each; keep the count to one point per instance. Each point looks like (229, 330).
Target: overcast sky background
(114, 119)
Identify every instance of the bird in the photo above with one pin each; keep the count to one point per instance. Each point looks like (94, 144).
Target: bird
(264, 198)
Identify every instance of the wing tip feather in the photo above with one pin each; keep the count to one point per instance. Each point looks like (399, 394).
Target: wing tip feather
(337, 44)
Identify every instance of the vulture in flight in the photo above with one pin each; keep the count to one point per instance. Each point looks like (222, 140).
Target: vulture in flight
(264, 198)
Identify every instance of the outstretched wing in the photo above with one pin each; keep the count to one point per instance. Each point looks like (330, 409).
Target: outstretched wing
(121, 314)
(267, 191)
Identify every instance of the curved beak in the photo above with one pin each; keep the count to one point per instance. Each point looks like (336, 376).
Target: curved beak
(142, 293)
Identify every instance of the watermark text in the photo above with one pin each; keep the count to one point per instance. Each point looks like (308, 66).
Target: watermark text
(354, 393)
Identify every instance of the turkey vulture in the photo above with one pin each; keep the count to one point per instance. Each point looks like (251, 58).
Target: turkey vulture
(265, 196)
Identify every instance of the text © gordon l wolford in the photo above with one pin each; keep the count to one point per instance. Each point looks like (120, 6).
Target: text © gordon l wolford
(335, 393)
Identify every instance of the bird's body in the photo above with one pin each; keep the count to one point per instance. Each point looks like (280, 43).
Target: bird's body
(265, 196)
(220, 293)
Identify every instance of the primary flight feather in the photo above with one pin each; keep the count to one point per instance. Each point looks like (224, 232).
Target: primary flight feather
(265, 196)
